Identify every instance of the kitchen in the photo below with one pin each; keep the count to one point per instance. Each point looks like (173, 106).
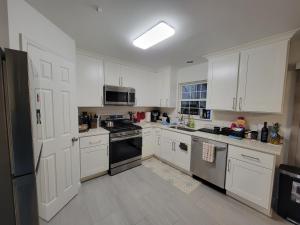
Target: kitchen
(166, 134)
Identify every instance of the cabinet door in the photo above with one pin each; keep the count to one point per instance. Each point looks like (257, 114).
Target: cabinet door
(262, 78)
(128, 77)
(94, 160)
(182, 156)
(164, 88)
(112, 73)
(167, 149)
(148, 143)
(157, 142)
(90, 80)
(250, 182)
(222, 82)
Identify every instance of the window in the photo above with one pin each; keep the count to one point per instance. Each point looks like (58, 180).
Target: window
(193, 100)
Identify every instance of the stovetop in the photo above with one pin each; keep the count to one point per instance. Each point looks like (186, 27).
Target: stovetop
(121, 126)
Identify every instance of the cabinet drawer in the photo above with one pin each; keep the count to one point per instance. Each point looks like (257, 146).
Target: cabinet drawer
(86, 142)
(251, 156)
(157, 131)
(94, 160)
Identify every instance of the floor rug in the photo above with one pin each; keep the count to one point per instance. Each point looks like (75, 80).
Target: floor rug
(175, 177)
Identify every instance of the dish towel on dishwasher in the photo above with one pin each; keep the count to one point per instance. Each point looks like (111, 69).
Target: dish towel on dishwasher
(208, 152)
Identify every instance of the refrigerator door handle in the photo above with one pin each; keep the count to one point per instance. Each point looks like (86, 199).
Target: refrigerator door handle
(39, 159)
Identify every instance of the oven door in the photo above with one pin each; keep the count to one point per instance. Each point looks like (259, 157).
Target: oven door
(115, 95)
(124, 150)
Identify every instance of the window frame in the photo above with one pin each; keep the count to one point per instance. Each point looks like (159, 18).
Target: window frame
(180, 100)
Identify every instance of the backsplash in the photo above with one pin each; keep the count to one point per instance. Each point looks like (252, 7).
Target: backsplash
(114, 110)
(224, 119)
(219, 118)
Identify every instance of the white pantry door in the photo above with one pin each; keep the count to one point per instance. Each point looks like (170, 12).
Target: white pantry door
(54, 118)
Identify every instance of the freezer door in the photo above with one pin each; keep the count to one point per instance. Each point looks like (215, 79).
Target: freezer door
(6, 204)
(18, 112)
(25, 198)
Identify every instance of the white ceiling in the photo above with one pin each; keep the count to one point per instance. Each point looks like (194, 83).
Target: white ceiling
(202, 26)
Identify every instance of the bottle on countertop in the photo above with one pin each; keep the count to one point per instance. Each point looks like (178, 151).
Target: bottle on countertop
(264, 133)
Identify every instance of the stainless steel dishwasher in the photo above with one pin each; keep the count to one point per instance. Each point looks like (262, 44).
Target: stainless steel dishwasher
(214, 172)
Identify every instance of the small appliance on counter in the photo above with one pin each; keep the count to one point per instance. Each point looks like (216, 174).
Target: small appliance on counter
(148, 116)
(165, 118)
(139, 116)
(155, 114)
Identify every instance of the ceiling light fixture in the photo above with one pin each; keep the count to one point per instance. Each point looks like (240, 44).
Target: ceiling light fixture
(156, 34)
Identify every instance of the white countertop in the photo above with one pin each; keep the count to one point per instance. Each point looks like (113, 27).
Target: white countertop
(244, 143)
(93, 132)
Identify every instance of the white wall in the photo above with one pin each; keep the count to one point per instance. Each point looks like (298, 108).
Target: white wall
(24, 19)
(3, 24)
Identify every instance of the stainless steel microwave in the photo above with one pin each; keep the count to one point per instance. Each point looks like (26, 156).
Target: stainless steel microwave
(115, 95)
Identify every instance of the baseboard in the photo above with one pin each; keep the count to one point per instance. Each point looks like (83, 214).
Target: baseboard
(267, 212)
(84, 179)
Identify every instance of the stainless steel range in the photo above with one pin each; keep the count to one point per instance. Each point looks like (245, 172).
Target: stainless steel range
(125, 146)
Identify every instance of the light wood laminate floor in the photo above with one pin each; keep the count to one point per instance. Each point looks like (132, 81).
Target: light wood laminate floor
(140, 197)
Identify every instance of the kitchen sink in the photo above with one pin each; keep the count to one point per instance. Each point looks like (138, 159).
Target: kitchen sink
(184, 128)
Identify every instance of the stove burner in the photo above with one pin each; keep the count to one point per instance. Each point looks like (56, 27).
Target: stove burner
(121, 125)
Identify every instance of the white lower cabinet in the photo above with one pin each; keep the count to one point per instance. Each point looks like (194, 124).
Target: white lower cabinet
(250, 175)
(94, 158)
(182, 157)
(176, 149)
(148, 142)
(157, 141)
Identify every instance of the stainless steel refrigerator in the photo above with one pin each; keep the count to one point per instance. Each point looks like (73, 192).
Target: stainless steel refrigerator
(18, 195)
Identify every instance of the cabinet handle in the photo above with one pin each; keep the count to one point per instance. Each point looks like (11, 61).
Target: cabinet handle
(158, 141)
(251, 157)
(240, 103)
(122, 81)
(228, 165)
(160, 102)
(233, 103)
(167, 102)
(74, 139)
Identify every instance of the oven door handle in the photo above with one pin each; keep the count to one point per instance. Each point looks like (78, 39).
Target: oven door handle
(125, 138)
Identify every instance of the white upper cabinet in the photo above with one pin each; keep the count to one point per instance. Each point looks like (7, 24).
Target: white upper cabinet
(251, 80)
(262, 78)
(152, 89)
(164, 88)
(222, 82)
(90, 81)
(112, 73)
